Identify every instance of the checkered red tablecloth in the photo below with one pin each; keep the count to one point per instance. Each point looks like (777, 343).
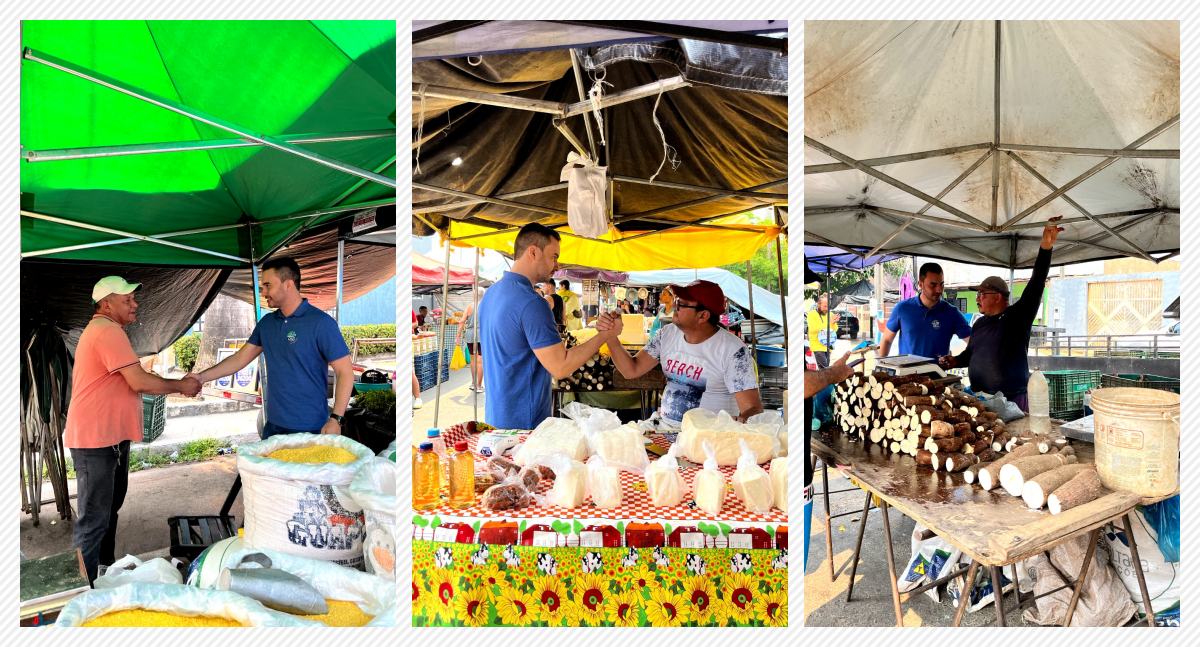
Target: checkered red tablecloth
(635, 500)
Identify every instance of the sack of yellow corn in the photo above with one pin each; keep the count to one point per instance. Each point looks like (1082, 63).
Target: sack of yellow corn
(297, 498)
(144, 604)
(374, 488)
(355, 598)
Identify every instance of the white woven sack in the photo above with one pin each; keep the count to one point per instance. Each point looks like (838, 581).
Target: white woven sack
(374, 488)
(303, 509)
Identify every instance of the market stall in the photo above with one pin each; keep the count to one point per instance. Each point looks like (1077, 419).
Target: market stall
(1041, 126)
(144, 153)
(676, 201)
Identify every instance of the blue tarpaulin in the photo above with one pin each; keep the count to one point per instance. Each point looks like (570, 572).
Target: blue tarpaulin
(766, 303)
(831, 260)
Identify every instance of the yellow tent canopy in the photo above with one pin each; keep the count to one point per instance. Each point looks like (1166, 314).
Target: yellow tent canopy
(728, 240)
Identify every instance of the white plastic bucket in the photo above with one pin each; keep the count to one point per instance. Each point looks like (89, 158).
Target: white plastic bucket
(1137, 440)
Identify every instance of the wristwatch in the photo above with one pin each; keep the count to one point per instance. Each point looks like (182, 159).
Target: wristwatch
(334, 416)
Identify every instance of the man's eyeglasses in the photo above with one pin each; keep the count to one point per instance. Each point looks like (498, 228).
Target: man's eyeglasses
(986, 292)
(694, 306)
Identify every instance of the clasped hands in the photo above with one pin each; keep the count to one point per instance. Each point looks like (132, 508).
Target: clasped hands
(190, 385)
(610, 325)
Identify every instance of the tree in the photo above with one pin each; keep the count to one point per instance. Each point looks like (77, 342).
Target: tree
(764, 267)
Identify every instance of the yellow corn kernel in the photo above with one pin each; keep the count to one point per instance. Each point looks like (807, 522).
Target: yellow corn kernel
(147, 618)
(342, 614)
(313, 454)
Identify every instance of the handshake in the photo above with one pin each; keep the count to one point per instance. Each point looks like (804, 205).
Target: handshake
(190, 385)
(609, 325)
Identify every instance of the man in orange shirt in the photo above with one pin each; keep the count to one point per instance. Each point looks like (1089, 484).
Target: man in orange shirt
(105, 415)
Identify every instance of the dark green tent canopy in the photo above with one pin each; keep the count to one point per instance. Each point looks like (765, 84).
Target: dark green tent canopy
(296, 128)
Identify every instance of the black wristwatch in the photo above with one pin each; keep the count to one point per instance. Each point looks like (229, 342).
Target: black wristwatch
(334, 416)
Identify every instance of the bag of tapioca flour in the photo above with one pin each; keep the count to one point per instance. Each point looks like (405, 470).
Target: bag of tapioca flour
(304, 508)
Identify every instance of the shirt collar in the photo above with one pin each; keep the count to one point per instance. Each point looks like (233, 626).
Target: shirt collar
(301, 310)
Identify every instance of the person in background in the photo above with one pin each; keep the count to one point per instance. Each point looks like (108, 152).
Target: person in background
(469, 337)
(422, 313)
(105, 416)
(416, 383)
(665, 307)
(822, 332)
(572, 310)
(555, 302)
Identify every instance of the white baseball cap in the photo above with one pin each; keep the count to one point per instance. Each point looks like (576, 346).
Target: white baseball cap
(112, 285)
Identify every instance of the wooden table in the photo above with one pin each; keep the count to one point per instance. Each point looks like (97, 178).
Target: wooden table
(992, 528)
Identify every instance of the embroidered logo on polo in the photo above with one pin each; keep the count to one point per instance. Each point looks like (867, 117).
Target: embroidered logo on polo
(292, 336)
(936, 324)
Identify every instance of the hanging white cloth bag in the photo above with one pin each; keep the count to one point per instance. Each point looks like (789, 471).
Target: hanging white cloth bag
(587, 196)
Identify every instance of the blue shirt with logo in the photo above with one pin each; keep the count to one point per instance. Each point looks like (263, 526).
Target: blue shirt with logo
(298, 349)
(513, 321)
(927, 331)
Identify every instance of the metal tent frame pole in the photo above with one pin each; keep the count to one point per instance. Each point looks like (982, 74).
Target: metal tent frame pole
(178, 108)
(1138, 251)
(437, 398)
(477, 357)
(750, 289)
(1108, 161)
(887, 179)
(341, 268)
(782, 284)
(119, 150)
(124, 234)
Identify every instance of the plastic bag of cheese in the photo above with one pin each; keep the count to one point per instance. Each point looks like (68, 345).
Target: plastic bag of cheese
(779, 480)
(623, 447)
(570, 480)
(751, 483)
(710, 484)
(724, 433)
(604, 483)
(553, 436)
(664, 483)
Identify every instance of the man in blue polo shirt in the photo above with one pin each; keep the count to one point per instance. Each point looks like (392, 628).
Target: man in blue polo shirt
(300, 341)
(926, 323)
(520, 338)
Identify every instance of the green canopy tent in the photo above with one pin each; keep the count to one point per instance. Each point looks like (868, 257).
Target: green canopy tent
(200, 143)
(189, 149)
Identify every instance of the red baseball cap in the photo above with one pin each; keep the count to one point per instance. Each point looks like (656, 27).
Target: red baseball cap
(706, 293)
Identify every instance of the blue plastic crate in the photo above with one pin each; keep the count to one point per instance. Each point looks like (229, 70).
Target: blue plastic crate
(772, 356)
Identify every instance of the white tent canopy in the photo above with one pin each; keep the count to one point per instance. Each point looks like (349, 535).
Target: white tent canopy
(1083, 113)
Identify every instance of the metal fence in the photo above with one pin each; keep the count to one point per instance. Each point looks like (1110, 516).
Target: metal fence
(1150, 346)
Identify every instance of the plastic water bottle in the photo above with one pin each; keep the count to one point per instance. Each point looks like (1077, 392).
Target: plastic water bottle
(434, 435)
(1039, 403)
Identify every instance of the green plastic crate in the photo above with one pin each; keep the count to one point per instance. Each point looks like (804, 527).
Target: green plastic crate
(154, 416)
(1067, 389)
(1139, 380)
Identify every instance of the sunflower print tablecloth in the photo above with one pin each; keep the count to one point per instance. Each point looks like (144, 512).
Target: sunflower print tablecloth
(527, 586)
